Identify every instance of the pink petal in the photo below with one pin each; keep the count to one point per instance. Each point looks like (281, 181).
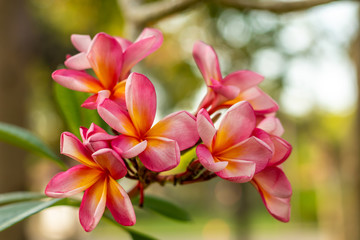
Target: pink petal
(237, 125)
(149, 41)
(124, 43)
(260, 101)
(229, 92)
(272, 125)
(94, 129)
(119, 204)
(161, 154)
(78, 62)
(140, 101)
(77, 80)
(243, 79)
(282, 150)
(83, 133)
(116, 117)
(205, 128)
(128, 147)
(275, 191)
(207, 62)
(208, 99)
(93, 205)
(81, 42)
(179, 126)
(106, 58)
(273, 181)
(238, 171)
(71, 146)
(207, 160)
(90, 102)
(252, 150)
(71, 182)
(111, 162)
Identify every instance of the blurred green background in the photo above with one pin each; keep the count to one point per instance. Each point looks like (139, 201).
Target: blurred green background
(310, 60)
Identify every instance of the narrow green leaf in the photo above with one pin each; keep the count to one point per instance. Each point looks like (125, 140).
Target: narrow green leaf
(165, 208)
(16, 212)
(11, 197)
(135, 235)
(69, 106)
(24, 139)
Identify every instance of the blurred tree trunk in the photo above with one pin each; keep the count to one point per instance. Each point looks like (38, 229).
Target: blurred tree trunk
(15, 46)
(351, 160)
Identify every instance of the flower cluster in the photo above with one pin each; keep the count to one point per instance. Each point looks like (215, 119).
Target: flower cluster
(246, 147)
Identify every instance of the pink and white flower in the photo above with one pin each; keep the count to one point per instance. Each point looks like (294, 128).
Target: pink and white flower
(231, 151)
(158, 147)
(235, 87)
(96, 175)
(111, 58)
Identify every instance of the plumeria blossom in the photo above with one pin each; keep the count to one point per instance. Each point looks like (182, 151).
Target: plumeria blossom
(158, 147)
(96, 175)
(235, 87)
(272, 183)
(111, 58)
(231, 151)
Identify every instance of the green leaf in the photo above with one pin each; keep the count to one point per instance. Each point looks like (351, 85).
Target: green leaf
(135, 235)
(16, 212)
(165, 208)
(70, 107)
(11, 197)
(24, 139)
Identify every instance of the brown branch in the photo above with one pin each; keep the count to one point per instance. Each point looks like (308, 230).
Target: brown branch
(274, 6)
(153, 11)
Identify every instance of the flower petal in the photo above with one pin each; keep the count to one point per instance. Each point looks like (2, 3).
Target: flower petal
(282, 150)
(114, 115)
(228, 92)
(77, 80)
(81, 42)
(238, 171)
(205, 128)
(106, 58)
(243, 79)
(111, 162)
(148, 41)
(90, 102)
(140, 101)
(72, 181)
(118, 94)
(128, 147)
(161, 154)
(93, 205)
(237, 125)
(207, 160)
(252, 150)
(78, 62)
(275, 191)
(119, 204)
(71, 146)
(124, 43)
(207, 62)
(179, 126)
(271, 125)
(260, 101)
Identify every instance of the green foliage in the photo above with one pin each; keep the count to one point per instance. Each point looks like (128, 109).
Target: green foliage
(69, 102)
(16, 212)
(11, 197)
(24, 139)
(164, 208)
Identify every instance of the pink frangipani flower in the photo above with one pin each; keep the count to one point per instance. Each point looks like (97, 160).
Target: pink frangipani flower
(96, 175)
(111, 59)
(231, 151)
(158, 146)
(272, 183)
(235, 87)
